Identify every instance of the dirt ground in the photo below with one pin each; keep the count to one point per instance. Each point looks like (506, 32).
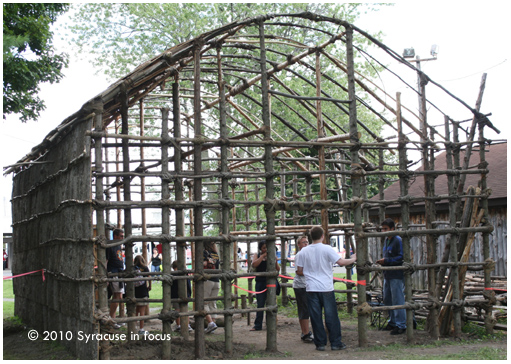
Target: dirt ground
(251, 345)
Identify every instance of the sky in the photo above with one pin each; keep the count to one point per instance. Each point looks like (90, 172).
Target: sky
(471, 41)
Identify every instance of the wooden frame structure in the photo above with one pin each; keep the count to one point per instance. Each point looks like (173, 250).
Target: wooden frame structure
(143, 147)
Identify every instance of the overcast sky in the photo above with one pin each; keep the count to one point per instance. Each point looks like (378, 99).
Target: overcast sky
(471, 40)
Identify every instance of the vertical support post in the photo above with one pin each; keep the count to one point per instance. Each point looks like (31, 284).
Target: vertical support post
(130, 287)
(346, 218)
(283, 241)
(179, 213)
(405, 217)
(429, 184)
(197, 210)
(104, 352)
(321, 151)
(453, 253)
(165, 227)
(488, 318)
(271, 298)
(224, 222)
(142, 183)
(356, 175)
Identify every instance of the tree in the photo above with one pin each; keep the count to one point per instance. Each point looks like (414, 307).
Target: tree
(29, 56)
(122, 36)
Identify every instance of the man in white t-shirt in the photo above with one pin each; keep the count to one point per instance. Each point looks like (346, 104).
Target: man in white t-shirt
(316, 264)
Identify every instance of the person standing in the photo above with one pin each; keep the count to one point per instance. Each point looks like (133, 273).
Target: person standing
(115, 264)
(211, 286)
(155, 261)
(259, 264)
(142, 289)
(393, 280)
(299, 286)
(316, 264)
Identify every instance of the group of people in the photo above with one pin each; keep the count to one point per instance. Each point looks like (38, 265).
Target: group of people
(314, 288)
(115, 264)
(313, 285)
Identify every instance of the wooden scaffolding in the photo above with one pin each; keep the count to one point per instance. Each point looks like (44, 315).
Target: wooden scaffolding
(211, 136)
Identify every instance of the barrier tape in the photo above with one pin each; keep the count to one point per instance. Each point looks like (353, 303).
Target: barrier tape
(363, 283)
(246, 290)
(25, 274)
(495, 289)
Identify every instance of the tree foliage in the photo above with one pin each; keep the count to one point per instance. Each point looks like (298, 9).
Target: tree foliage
(29, 57)
(121, 36)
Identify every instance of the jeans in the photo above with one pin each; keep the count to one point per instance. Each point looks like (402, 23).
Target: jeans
(261, 302)
(394, 295)
(319, 301)
(155, 268)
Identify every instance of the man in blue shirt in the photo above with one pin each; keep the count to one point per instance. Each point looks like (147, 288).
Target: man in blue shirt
(393, 285)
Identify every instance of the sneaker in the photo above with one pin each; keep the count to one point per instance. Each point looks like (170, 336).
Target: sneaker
(190, 328)
(340, 347)
(397, 331)
(211, 327)
(177, 328)
(116, 326)
(320, 348)
(307, 338)
(141, 332)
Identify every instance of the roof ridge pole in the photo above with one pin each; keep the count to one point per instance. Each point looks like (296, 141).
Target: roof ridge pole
(356, 177)
(271, 298)
(321, 150)
(429, 186)
(224, 216)
(405, 217)
(128, 230)
(200, 350)
(165, 230)
(104, 345)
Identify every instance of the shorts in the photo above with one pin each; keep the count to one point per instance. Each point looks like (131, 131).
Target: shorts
(175, 306)
(143, 303)
(118, 287)
(301, 302)
(211, 289)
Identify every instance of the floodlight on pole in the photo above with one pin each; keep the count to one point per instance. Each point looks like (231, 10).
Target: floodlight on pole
(409, 53)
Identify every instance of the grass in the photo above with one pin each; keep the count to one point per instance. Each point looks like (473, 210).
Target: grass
(8, 309)
(8, 292)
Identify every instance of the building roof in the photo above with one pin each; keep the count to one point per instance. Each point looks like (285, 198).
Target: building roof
(496, 156)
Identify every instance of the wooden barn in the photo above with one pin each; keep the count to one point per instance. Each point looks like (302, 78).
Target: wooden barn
(496, 156)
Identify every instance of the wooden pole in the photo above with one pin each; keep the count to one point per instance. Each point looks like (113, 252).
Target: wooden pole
(165, 223)
(271, 298)
(451, 239)
(130, 288)
(197, 211)
(226, 286)
(179, 196)
(104, 352)
(321, 150)
(142, 185)
(488, 308)
(356, 181)
(429, 185)
(405, 219)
